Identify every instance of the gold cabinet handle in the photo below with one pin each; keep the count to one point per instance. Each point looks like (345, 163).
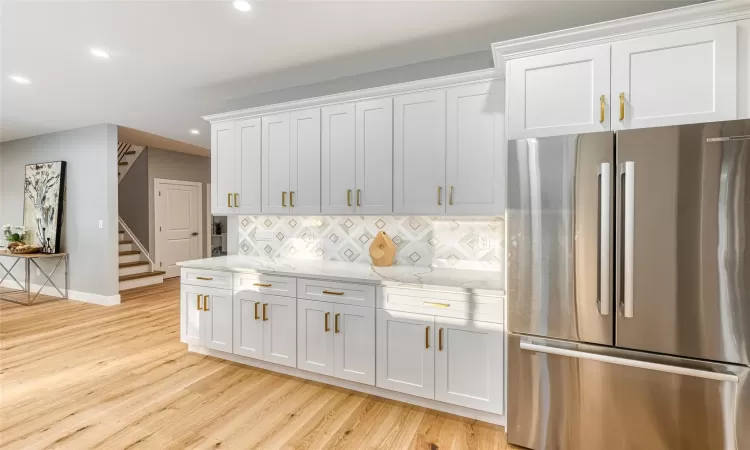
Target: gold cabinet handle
(229, 200)
(427, 337)
(450, 195)
(437, 305)
(359, 197)
(205, 303)
(262, 284)
(236, 200)
(291, 199)
(348, 197)
(440, 196)
(601, 109)
(336, 323)
(283, 199)
(265, 312)
(440, 339)
(622, 106)
(327, 328)
(256, 311)
(332, 292)
(199, 302)
(204, 278)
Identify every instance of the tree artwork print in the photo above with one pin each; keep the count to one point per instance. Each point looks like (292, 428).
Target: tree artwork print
(43, 204)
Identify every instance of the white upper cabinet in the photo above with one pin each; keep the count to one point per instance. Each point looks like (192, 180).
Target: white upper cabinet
(559, 93)
(338, 159)
(374, 156)
(419, 153)
(247, 166)
(276, 161)
(686, 76)
(223, 168)
(304, 147)
(475, 151)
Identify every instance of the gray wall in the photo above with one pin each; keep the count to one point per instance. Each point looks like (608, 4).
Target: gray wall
(133, 198)
(90, 196)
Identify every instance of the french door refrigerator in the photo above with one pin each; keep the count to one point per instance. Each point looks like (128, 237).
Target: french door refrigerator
(629, 289)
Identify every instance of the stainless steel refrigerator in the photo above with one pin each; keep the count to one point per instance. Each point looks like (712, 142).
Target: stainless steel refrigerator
(629, 289)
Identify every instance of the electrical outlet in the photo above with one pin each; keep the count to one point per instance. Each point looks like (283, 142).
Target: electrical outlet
(101, 224)
(264, 235)
(485, 243)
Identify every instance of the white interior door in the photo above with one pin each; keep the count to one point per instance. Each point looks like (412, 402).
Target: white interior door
(338, 159)
(304, 164)
(217, 311)
(374, 134)
(248, 324)
(354, 343)
(275, 162)
(315, 336)
(178, 224)
(280, 330)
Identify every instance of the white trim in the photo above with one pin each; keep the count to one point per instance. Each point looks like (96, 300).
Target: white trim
(157, 217)
(135, 240)
(617, 30)
(496, 419)
(209, 223)
(360, 95)
(86, 297)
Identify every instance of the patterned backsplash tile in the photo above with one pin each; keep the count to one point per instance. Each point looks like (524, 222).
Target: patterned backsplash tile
(461, 243)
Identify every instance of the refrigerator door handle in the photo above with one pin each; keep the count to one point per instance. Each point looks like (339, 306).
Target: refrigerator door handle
(628, 171)
(647, 365)
(605, 213)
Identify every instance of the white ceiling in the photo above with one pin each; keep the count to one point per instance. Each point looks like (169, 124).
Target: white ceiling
(172, 62)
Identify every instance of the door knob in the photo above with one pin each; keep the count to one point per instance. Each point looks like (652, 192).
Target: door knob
(194, 233)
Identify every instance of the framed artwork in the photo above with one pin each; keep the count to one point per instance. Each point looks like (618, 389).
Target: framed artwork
(44, 189)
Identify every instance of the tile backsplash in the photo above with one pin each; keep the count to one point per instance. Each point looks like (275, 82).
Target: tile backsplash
(462, 243)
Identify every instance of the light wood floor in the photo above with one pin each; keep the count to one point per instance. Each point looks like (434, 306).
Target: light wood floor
(74, 375)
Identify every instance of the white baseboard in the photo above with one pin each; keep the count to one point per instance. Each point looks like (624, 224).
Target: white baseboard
(103, 300)
(367, 389)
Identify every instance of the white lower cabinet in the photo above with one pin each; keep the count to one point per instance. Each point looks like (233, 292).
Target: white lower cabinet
(315, 336)
(405, 353)
(206, 317)
(265, 327)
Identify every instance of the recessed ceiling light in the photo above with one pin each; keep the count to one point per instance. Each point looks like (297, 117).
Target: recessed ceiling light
(194, 131)
(242, 5)
(99, 53)
(19, 79)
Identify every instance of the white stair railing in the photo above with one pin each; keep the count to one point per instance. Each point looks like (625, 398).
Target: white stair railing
(138, 244)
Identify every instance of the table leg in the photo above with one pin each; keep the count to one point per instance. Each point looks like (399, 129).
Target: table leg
(28, 281)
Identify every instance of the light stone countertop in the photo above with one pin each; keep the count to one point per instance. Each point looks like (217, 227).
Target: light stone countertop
(425, 277)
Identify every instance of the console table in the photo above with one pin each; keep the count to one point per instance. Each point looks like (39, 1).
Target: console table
(26, 287)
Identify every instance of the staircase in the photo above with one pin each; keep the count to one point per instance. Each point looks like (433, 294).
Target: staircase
(126, 156)
(135, 266)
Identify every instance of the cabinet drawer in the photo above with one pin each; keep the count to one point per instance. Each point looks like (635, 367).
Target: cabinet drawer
(266, 284)
(208, 278)
(331, 291)
(443, 304)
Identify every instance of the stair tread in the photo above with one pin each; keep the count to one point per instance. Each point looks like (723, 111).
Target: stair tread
(133, 264)
(130, 152)
(125, 242)
(124, 163)
(137, 276)
(130, 252)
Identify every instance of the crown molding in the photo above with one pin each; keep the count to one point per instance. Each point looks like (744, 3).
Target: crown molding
(692, 16)
(363, 94)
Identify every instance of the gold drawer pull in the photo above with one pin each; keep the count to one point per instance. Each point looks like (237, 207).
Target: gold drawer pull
(622, 106)
(440, 339)
(262, 284)
(437, 305)
(236, 200)
(200, 297)
(283, 199)
(256, 311)
(359, 197)
(450, 195)
(333, 293)
(602, 103)
(204, 278)
(336, 323)
(440, 196)
(427, 337)
(327, 328)
(205, 303)
(229, 200)
(348, 197)
(291, 199)
(265, 312)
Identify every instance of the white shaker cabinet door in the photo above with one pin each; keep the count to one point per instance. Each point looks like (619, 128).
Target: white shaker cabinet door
(419, 153)
(191, 314)
(223, 168)
(304, 162)
(374, 134)
(469, 364)
(247, 166)
(475, 155)
(338, 159)
(559, 93)
(405, 353)
(217, 311)
(675, 78)
(354, 343)
(280, 330)
(248, 324)
(275, 161)
(315, 336)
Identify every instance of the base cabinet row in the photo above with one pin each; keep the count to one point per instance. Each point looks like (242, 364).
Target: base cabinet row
(456, 361)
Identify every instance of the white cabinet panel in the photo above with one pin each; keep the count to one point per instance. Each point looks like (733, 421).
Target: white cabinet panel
(687, 76)
(280, 330)
(248, 324)
(217, 310)
(419, 153)
(469, 364)
(223, 168)
(743, 69)
(374, 148)
(304, 162)
(405, 353)
(338, 159)
(475, 153)
(558, 93)
(354, 343)
(247, 167)
(315, 336)
(191, 314)
(275, 161)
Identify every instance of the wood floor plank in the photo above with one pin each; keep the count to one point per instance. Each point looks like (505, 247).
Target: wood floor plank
(78, 376)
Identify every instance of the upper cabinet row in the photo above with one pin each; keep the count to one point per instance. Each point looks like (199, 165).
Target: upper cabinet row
(433, 152)
(680, 77)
